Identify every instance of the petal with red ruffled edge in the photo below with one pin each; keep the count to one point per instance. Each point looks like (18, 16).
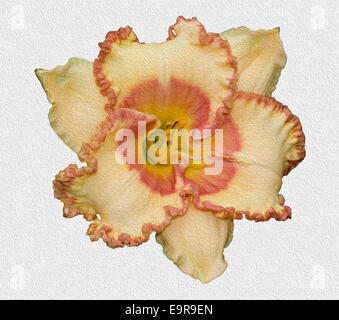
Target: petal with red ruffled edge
(179, 239)
(201, 61)
(195, 243)
(271, 143)
(260, 57)
(129, 209)
(77, 105)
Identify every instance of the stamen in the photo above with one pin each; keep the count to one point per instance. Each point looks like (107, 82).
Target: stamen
(176, 121)
(176, 124)
(168, 125)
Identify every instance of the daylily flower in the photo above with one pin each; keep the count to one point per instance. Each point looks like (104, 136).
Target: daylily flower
(194, 80)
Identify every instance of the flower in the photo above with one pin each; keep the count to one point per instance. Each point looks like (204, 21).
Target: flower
(194, 80)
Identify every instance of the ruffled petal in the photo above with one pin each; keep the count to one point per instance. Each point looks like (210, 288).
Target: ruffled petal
(260, 57)
(77, 105)
(271, 143)
(195, 243)
(129, 209)
(191, 56)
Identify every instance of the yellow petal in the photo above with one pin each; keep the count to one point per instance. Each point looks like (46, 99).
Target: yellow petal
(129, 210)
(190, 56)
(195, 243)
(77, 105)
(271, 143)
(260, 57)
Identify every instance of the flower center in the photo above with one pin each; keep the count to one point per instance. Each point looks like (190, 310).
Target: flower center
(177, 105)
(176, 124)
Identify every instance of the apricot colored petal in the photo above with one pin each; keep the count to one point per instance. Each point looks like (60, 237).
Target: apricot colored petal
(129, 210)
(77, 105)
(260, 56)
(192, 56)
(271, 144)
(195, 243)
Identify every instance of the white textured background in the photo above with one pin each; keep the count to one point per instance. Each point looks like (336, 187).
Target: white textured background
(44, 255)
